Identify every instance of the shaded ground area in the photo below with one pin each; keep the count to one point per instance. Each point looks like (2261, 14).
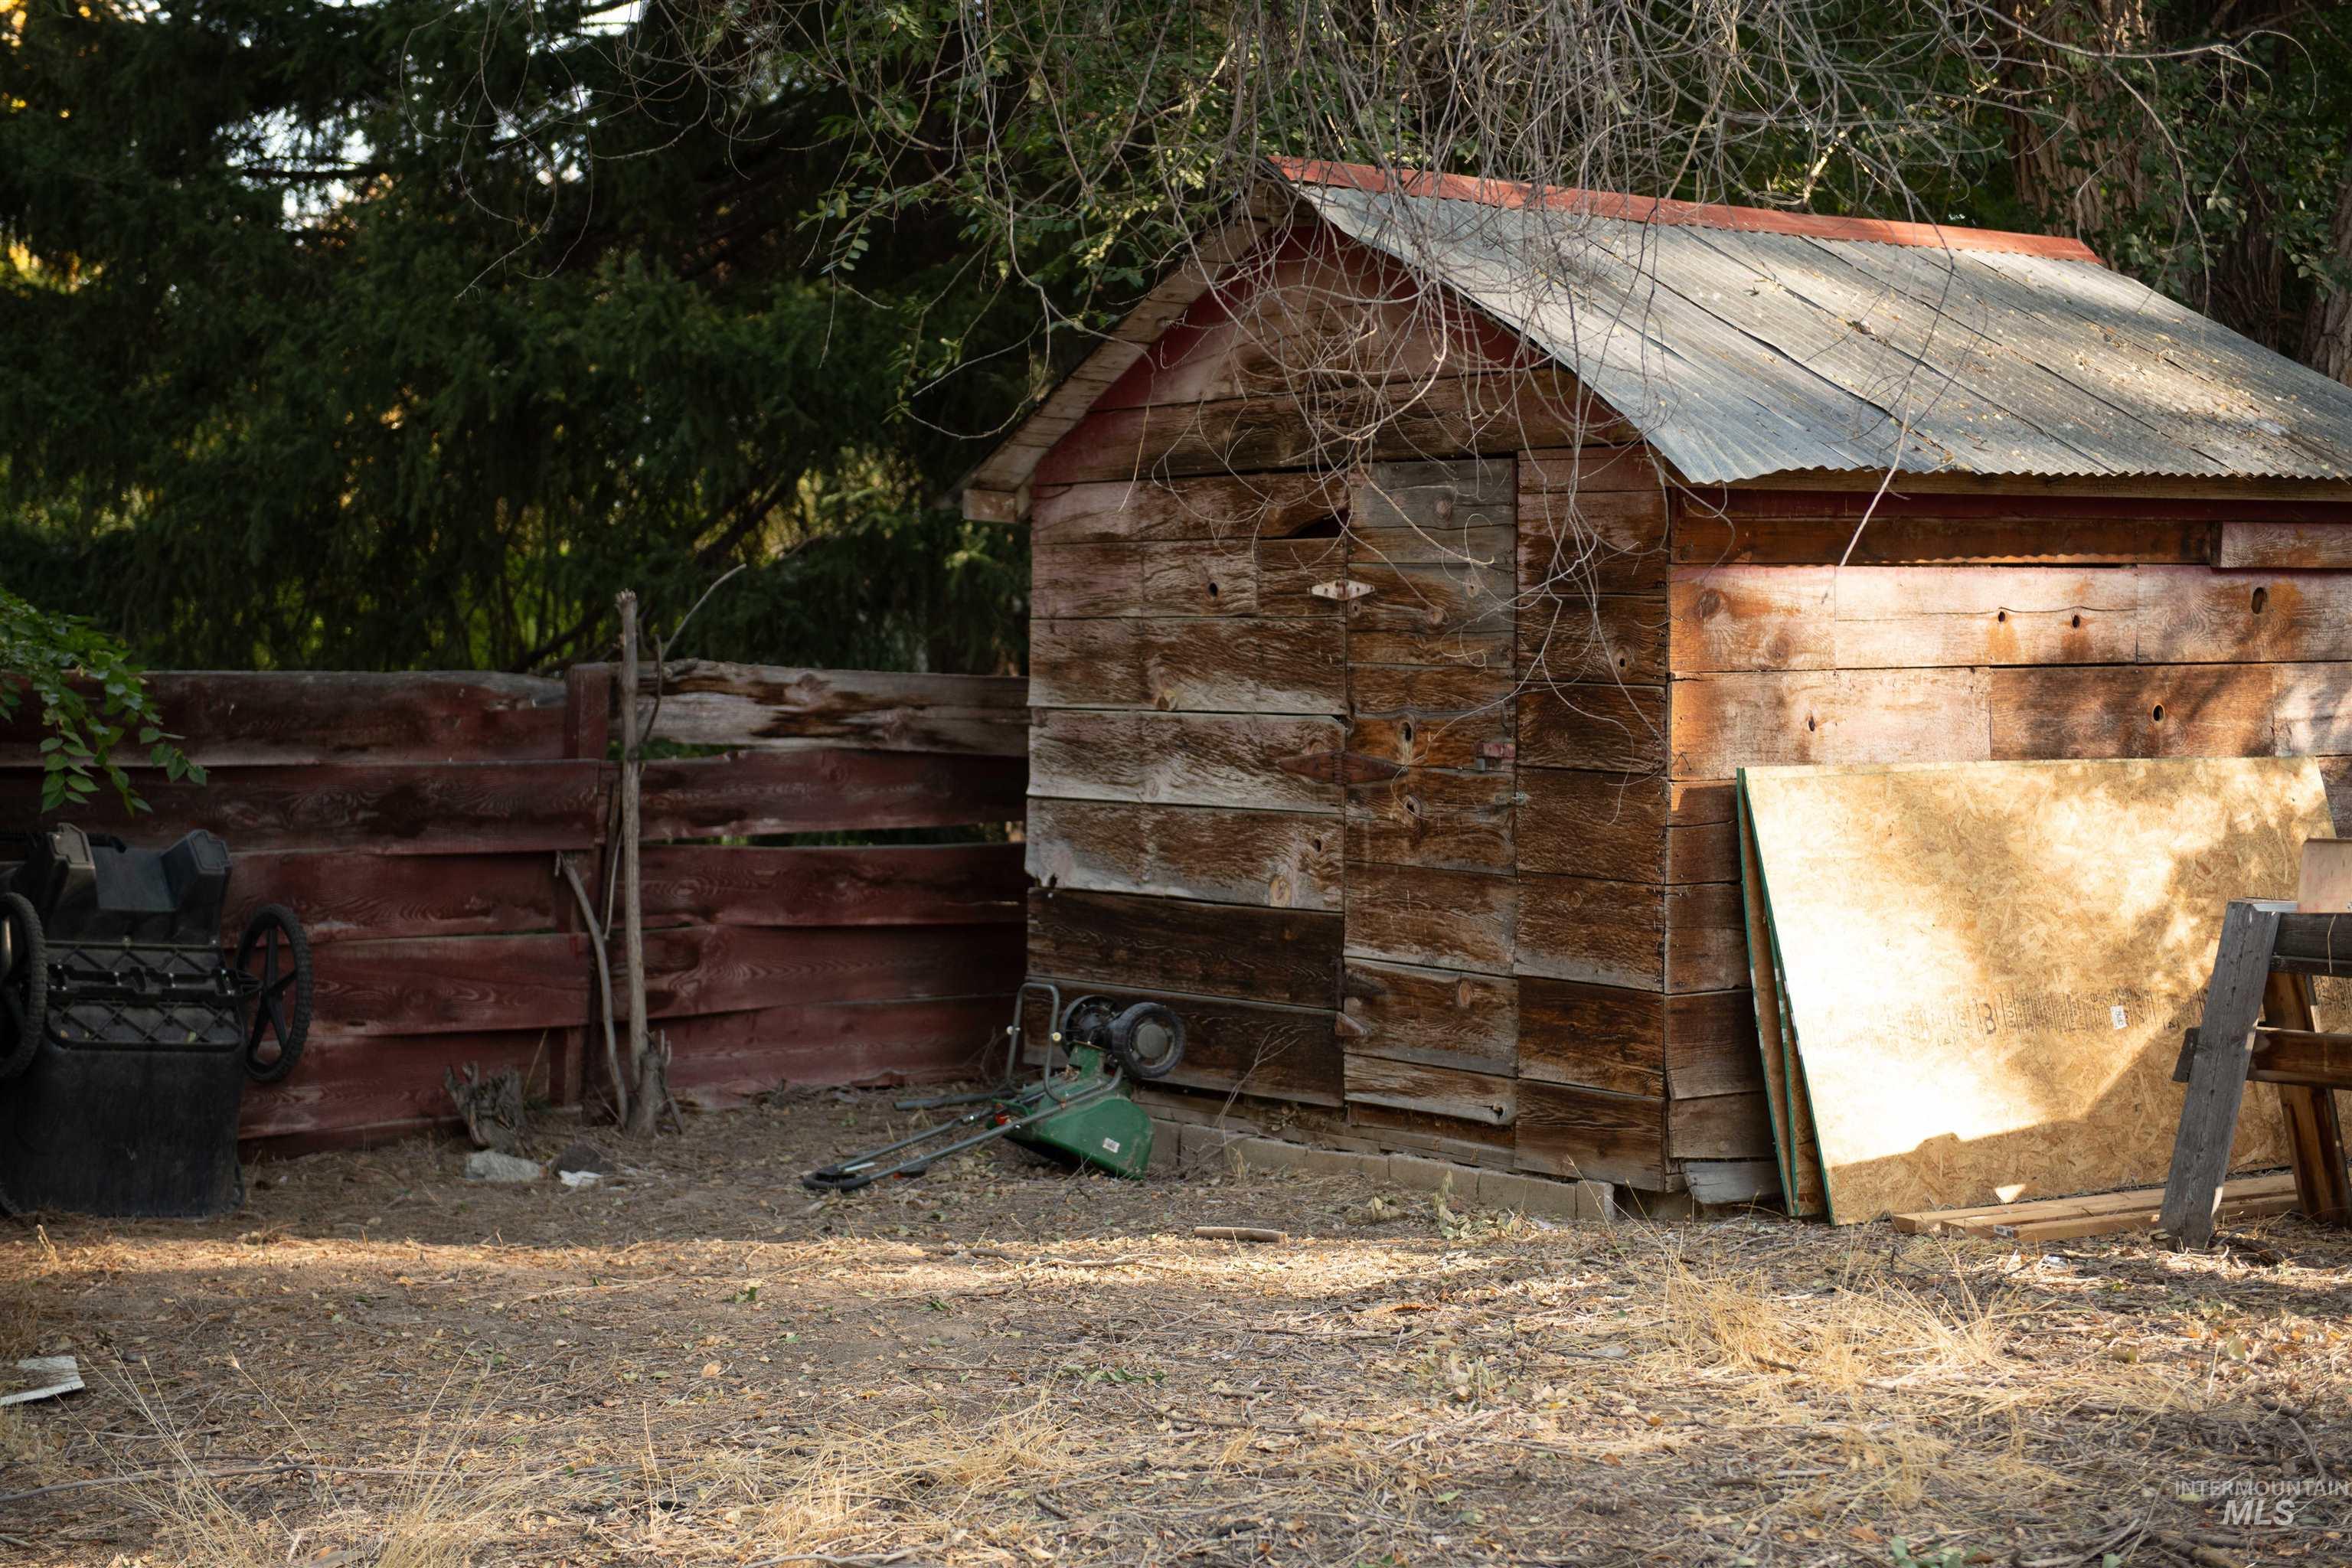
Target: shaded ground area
(1002, 1363)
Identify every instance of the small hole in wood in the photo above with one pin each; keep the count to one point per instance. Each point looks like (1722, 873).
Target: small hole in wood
(1411, 807)
(2001, 615)
(1406, 731)
(2077, 621)
(1322, 527)
(1624, 662)
(1213, 590)
(1808, 721)
(2156, 713)
(2262, 600)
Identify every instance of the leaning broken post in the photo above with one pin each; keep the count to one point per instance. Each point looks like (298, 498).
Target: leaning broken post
(632, 925)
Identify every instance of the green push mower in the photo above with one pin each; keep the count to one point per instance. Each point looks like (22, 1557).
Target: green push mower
(1077, 1111)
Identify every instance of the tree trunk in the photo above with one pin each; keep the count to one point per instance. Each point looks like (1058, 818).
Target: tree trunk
(2328, 321)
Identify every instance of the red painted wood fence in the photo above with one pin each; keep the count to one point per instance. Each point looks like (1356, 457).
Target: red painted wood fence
(413, 821)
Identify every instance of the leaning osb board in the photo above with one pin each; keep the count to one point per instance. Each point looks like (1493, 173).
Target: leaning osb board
(1986, 968)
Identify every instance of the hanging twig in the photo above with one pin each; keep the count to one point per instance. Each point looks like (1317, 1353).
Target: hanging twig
(596, 938)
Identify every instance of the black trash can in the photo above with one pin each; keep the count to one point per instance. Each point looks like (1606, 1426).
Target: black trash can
(127, 1033)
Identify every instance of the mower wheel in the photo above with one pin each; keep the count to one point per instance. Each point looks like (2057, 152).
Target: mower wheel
(276, 952)
(1087, 1021)
(24, 983)
(1148, 1039)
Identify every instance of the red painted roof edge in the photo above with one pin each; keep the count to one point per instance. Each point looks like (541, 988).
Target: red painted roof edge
(1699, 214)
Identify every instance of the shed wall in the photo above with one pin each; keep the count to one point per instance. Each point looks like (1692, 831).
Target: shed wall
(1969, 628)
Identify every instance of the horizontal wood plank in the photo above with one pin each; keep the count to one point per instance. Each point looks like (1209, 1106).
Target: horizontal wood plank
(1455, 821)
(1181, 759)
(1720, 1127)
(1464, 1142)
(1413, 914)
(1706, 937)
(1564, 1130)
(1448, 1091)
(1076, 581)
(1280, 859)
(423, 808)
(1429, 717)
(753, 794)
(1289, 957)
(1575, 546)
(1592, 470)
(696, 970)
(878, 885)
(1439, 1018)
(356, 1088)
(1806, 617)
(1601, 932)
(245, 718)
(1605, 1038)
(1218, 508)
(341, 896)
(931, 1039)
(2191, 615)
(1494, 414)
(1577, 824)
(1607, 727)
(1754, 618)
(2131, 711)
(1705, 536)
(1598, 637)
(1192, 665)
(454, 985)
(2311, 710)
(2283, 544)
(1711, 1045)
(706, 702)
(1724, 723)
(1461, 513)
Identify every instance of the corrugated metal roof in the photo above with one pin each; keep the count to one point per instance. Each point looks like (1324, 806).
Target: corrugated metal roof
(1740, 352)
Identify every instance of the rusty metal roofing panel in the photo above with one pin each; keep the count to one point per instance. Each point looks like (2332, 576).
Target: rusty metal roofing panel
(1742, 353)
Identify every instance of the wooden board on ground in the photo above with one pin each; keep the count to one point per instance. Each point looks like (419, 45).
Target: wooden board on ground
(1986, 968)
(2057, 1219)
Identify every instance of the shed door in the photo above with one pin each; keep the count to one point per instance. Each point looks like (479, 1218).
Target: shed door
(1430, 1018)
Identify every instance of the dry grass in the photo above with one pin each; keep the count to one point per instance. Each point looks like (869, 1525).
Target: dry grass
(1000, 1365)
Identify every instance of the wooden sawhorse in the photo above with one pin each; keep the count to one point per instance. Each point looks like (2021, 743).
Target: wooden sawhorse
(2257, 1029)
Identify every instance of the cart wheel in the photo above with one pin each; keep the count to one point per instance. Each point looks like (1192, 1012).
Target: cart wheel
(1148, 1039)
(276, 952)
(24, 983)
(1087, 1020)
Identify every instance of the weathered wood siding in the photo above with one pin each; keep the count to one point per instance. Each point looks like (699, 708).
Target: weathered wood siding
(1593, 959)
(1966, 628)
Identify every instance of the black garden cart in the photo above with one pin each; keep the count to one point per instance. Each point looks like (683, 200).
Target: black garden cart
(128, 1032)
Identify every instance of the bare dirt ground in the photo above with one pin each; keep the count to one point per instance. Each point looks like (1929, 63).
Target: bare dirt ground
(1002, 1363)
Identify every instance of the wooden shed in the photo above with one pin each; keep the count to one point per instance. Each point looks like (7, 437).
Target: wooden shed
(1413, 571)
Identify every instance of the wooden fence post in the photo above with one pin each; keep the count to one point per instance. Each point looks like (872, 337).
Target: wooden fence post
(587, 732)
(633, 914)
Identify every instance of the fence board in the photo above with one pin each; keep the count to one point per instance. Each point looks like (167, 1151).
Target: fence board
(873, 885)
(705, 702)
(388, 809)
(342, 896)
(698, 970)
(750, 794)
(440, 986)
(384, 1084)
(923, 1040)
(233, 718)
